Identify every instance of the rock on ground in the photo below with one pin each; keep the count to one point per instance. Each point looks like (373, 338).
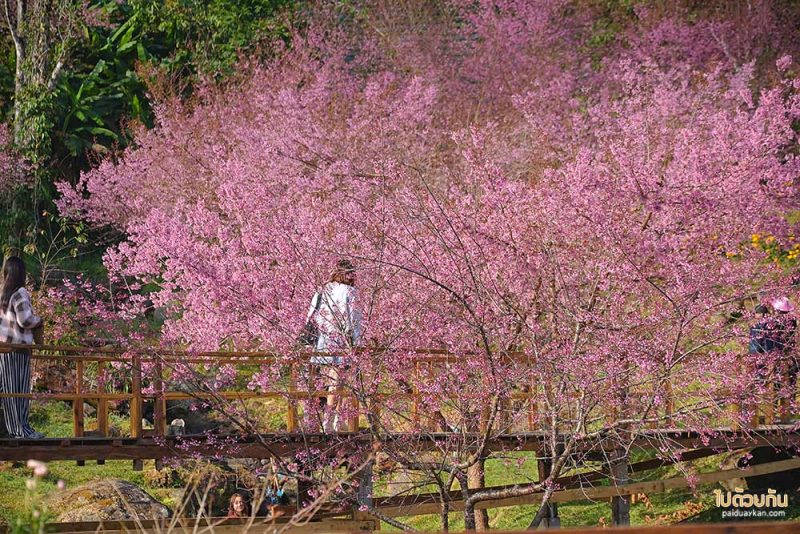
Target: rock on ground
(106, 500)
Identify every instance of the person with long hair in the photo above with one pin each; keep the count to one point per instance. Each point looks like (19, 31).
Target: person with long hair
(338, 319)
(16, 327)
(238, 506)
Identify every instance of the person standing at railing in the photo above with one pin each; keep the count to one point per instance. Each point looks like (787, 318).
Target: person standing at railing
(761, 345)
(335, 313)
(783, 328)
(760, 340)
(16, 327)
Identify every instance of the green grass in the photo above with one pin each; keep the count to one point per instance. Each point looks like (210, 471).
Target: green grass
(659, 508)
(12, 480)
(664, 508)
(55, 419)
(576, 514)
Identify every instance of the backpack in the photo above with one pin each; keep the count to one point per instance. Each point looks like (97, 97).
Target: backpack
(309, 335)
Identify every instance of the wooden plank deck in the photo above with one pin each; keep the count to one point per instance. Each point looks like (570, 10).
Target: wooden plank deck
(284, 444)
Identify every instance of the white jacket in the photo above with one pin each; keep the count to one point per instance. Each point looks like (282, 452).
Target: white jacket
(338, 319)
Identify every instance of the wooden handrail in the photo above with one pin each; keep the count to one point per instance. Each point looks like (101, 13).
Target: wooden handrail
(256, 354)
(160, 362)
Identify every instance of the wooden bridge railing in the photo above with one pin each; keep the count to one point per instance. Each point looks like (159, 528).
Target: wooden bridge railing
(134, 392)
(139, 386)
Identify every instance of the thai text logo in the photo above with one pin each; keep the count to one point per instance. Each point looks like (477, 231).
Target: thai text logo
(739, 504)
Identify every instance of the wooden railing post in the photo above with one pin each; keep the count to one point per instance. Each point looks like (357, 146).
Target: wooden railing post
(769, 409)
(77, 405)
(669, 400)
(483, 422)
(735, 407)
(784, 402)
(102, 407)
(159, 402)
(352, 423)
(415, 396)
(374, 412)
(136, 398)
(291, 413)
(533, 407)
(102, 402)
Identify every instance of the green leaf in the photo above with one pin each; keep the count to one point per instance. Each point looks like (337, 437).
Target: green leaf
(126, 47)
(76, 98)
(96, 130)
(101, 64)
(127, 36)
(122, 29)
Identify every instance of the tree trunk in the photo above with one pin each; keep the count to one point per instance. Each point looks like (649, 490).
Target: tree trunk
(40, 31)
(476, 478)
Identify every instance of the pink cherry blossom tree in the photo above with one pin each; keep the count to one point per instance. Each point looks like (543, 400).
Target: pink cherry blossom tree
(576, 236)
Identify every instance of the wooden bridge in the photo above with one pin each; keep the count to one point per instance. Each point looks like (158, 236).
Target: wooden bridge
(91, 368)
(142, 383)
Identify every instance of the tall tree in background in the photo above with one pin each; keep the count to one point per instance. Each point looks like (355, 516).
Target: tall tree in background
(80, 74)
(43, 33)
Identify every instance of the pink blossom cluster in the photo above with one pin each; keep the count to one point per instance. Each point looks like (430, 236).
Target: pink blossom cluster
(80, 310)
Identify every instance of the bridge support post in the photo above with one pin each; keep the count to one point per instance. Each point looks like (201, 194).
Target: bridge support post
(364, 494)
(621, 504)
(551, 518)
(78, 424)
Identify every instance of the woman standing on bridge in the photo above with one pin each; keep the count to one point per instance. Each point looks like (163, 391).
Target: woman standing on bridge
(16, 327)
(335, 312)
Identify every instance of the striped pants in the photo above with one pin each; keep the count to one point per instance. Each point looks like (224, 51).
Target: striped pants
(15, 377)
